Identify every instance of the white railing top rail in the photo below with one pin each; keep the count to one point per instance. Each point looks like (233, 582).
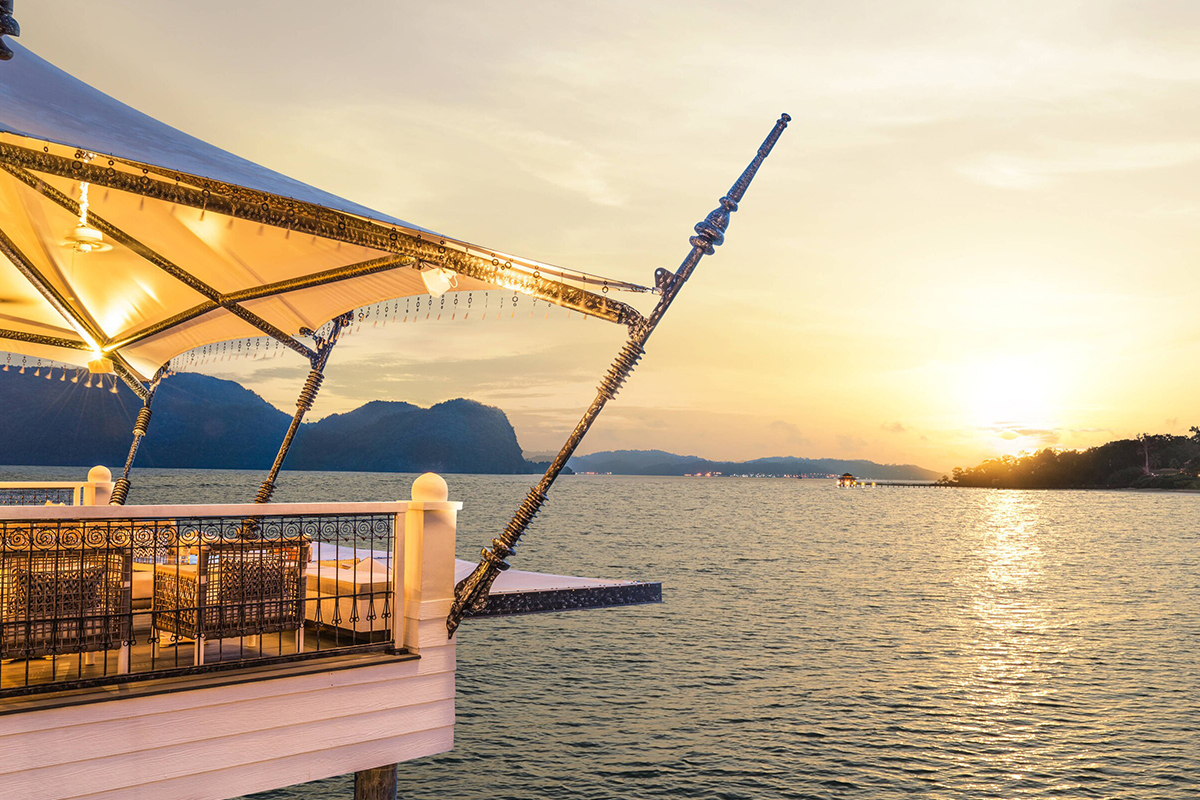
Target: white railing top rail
(96, 490)
(222, 510)
(43, 484)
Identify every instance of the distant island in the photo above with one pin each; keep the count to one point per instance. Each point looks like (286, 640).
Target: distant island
(1151, 461)
(658, 462)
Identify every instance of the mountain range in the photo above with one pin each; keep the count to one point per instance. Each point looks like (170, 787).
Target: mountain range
(658, 462)
(204, 422)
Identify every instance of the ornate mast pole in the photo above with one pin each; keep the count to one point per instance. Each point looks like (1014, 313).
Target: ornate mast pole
(8, 27)
(472, 592)
(308, 395)
(121, 485)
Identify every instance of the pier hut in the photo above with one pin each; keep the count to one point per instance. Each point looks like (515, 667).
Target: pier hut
(210, 651)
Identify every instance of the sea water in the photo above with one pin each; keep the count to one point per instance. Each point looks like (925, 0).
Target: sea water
(813, 642)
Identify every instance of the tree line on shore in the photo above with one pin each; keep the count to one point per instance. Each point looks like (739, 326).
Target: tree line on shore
(1149, 461)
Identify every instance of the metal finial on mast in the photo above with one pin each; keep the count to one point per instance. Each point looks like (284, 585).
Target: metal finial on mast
(8, 27)
(471, 593)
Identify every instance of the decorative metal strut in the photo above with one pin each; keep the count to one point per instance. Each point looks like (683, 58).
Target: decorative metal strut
(471, 593)
(121, 486)
(8, 27)
(82, 322)
(308, 395)
(153, 257)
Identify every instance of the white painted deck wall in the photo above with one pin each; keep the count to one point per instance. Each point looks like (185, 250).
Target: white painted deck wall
(224, 741)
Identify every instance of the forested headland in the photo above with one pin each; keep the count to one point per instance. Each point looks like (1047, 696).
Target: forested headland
(1150, 461)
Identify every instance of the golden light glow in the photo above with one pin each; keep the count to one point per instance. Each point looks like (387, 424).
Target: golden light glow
(967, 248)
(1014, 401)
(99, 363)
(83, 238)
(1009, 389)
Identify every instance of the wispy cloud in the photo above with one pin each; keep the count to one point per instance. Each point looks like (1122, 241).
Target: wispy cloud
(560, 162)
(1021, 171)
(851, 443)
(1034, 435)
(790, 435)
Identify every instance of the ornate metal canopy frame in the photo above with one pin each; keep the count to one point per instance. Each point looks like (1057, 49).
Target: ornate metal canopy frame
(400, 246)
(408, 247)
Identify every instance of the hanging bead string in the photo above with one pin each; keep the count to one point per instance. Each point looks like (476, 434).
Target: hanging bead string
(450, 307)
(51, 370)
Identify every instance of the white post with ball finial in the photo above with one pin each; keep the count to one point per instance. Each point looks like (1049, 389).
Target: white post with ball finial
(423, 574)
(428, 563)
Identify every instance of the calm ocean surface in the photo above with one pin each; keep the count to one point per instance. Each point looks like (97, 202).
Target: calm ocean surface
(814, 642)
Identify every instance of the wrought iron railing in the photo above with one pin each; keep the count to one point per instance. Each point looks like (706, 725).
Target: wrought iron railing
(62, 495)
(89, 598)
(93, 491)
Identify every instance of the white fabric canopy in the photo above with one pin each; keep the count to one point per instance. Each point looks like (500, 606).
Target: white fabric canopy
(40, 101)
(114, 299)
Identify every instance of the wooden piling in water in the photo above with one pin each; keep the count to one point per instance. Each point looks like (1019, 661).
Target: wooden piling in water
(375, 784)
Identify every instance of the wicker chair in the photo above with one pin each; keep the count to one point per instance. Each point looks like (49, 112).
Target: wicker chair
(236, 589)
(65, 601)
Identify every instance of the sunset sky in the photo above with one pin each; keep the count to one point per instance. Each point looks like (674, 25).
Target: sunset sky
(979, 235)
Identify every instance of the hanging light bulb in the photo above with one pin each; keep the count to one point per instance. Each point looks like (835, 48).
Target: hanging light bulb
(100, 363)
(75, 377)
(83, 238)
(439, 280)
(113, 390)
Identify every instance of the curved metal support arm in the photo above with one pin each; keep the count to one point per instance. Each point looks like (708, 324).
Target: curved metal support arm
(472, 592)
(308, 395)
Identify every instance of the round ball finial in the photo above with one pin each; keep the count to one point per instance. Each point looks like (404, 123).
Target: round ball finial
(99, 474)
(430, 488)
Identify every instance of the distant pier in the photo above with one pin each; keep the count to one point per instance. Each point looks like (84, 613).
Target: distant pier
(869, 484)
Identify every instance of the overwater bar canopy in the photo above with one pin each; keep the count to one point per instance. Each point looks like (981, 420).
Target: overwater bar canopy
(327, 628)
(127, 241)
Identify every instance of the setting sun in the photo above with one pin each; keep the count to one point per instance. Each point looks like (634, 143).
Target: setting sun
(1014, 400)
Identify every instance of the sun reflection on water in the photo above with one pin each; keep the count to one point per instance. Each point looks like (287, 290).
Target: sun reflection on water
(1007, 667)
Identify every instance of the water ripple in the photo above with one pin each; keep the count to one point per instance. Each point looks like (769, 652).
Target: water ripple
(817, 643)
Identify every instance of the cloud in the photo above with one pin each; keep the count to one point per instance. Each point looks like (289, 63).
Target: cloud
(560, 162)
(1014, 171)
(1036, 436)
(788, 434)
(851, 442)
(893, 427)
